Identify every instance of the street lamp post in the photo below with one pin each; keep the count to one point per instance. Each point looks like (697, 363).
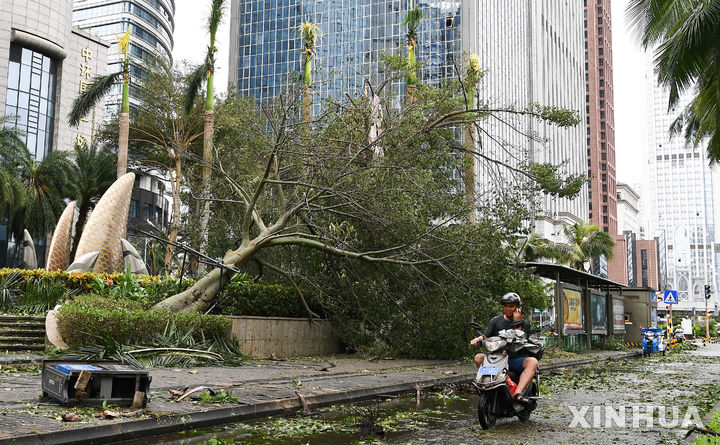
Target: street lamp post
(707, 317)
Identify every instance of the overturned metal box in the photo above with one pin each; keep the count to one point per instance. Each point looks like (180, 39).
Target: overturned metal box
(92, 383)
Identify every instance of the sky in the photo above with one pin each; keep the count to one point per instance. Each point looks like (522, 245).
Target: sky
(191, 40)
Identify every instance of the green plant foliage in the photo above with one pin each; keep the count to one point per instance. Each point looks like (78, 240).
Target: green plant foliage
(94, 319)
(244, 297)
(221, 396)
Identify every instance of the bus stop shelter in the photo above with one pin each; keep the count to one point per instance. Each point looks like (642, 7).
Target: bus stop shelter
(588, 306)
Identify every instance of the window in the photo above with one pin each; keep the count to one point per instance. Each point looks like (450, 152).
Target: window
(133, 208)
(602, 145)
(602, 113)
(604, 177)
(599, 31)
(602, 83)
(600, 41)
(602, 104)
(605, 220)
(600, 51)
(603, 156)
(602, 166)
(599, 21)
(602, 135)
(602, 93)
(590, 205)
(604, 198)
(147, 210)
(30, 96)
(599, 10)
(601, 72)
(600, 61)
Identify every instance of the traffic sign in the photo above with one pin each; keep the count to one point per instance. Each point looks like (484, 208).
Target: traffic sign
(670, 297)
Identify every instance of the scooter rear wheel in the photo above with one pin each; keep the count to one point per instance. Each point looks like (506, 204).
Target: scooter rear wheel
(485, 415)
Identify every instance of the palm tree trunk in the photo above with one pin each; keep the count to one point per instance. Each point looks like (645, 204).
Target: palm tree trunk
(470, 172)
(123, 144)
(206, 172)
(175, 224)
(307, 92)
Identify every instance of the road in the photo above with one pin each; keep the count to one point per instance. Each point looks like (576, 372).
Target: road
(576, 405)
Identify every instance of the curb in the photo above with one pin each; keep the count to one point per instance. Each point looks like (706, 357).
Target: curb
(139, 429)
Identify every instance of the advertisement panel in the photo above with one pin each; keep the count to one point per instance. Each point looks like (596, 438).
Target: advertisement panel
(618, 315)
(598, 313)
(572, 310)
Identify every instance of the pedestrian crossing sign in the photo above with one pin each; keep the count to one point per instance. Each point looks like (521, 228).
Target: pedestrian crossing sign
(670, 297)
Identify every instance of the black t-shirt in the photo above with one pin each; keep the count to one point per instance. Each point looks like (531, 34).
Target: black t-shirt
(499, 323)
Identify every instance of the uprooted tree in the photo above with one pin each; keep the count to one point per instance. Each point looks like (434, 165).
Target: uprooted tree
(298, 187)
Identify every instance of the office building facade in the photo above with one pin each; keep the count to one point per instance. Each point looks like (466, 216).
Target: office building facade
(530, 52)
(44, 64)
(600, 116)
(683, 191)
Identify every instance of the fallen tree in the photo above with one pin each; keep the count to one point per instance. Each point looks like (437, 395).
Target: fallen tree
(319, 185)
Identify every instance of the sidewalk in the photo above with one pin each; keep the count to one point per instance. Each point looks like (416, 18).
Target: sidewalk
(263, 388)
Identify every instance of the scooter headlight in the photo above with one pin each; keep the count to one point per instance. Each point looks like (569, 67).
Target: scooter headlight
(494, 344)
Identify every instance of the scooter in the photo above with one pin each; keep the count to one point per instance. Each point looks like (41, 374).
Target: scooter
(494, 377)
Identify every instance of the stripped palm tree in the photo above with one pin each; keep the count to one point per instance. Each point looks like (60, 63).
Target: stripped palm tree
(684, 35)
(98, 89)
(310, 33)
(206, 71)
(473, 77)
(412, 21)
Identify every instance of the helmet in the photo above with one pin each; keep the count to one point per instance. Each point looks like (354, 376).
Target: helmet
(511, 298)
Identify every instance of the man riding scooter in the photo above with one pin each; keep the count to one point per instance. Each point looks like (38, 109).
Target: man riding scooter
(519, 362)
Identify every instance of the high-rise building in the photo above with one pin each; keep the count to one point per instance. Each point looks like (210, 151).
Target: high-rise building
(44, 64)
(600, 119)
(151, 24)
(682, 194)
(530, 51)
(628, 209)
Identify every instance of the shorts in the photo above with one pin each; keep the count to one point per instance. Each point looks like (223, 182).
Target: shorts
(516, 364)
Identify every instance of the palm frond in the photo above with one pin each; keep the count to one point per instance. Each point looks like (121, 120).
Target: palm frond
(86, 101)
(216, 14)
(194, 84)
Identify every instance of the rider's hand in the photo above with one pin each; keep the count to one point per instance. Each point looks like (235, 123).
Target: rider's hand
(477, 340)
(517, 315)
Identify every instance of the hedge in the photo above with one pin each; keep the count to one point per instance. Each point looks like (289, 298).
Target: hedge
(83, 281)
(241, 297)
(93, 319)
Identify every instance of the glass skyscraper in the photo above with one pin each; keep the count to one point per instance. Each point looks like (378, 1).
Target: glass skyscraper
(151, 24)
(531, 52)
(265, 45)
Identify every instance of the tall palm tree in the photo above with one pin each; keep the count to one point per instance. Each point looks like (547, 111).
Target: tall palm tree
(93, 174)
(98, 89)
(585, 242)
(687, 55)
(206, 71)
(473, 77)
(412, 21)
(310, 33)
(12, 151)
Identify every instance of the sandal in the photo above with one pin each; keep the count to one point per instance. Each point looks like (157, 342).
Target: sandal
(518, 397)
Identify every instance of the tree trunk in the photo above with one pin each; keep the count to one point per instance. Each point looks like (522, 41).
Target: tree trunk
(123, 144)
(79, 225)
(470, 173)
(200, 295)
(307, 107)
(207, 160)
(175, 224)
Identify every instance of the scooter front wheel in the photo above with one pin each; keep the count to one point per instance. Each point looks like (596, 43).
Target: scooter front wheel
(485, 415)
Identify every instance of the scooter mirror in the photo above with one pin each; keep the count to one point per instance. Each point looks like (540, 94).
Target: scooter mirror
(477, 327)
